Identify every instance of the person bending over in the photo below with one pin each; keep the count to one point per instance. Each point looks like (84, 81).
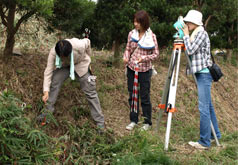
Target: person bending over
(70, 58)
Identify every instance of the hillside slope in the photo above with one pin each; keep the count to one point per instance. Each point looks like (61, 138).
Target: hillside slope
(26, 78)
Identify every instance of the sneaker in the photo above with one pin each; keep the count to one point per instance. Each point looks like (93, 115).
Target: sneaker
(145, 127)
(197, 145)
(131, 126)
(100, 128)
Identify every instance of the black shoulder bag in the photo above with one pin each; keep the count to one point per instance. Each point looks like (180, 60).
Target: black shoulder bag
(215, 70)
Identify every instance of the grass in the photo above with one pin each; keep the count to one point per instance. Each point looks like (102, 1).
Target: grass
(141, 148)
(182, 133)
(234, 57)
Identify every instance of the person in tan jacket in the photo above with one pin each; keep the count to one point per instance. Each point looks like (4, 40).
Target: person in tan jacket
(71, 58)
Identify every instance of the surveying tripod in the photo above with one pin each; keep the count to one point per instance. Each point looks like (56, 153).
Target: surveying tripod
(169, 92)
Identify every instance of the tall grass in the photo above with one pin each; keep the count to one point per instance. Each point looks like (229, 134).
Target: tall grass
(20, 142)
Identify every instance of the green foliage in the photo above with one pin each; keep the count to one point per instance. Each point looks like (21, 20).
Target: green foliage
(25, 9)
(19, 142)
(120, 15)
(114, 18)
(163, 15)
(114, 21)
(223, 24)
(71, 16)
(14, 13)
(85, 145)
(42, 7)
(230, 152)
(230, 137)
(140, 148)
(234, 57)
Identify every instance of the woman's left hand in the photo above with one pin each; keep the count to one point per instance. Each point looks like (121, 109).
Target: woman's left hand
(139, 60)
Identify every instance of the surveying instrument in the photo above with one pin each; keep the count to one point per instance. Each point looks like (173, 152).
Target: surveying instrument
(170, 88)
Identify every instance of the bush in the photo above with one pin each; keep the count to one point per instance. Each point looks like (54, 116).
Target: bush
(20, 142)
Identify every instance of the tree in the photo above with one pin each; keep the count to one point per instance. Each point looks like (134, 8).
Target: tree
(71, 16)
(14, 12)
(164, 14)
(220, 19)
(114, 20)
(226, 27)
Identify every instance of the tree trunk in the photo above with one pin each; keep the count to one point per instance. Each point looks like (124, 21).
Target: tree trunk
(116, 61)
(11, 31)
(229, 55)
(207, 21)
(7, 54)
(8, 47)
(229, 50)
(199, 4)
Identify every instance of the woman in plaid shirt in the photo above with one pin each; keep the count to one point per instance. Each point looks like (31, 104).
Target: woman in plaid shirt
(141, 49)
(198, 48)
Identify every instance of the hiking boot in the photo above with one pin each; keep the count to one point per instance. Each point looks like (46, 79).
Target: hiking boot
(197, 145)
(145, 127)
(131, 126)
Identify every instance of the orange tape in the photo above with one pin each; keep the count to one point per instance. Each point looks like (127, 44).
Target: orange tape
(172, 110)
(44, 122)
(161, 106)
(178, 46)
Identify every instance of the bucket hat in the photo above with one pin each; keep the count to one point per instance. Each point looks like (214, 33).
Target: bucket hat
(194, 16)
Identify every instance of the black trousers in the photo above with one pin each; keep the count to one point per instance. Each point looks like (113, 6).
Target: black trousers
(144, 94)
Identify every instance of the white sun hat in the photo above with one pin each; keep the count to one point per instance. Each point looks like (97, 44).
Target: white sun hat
(194, 16)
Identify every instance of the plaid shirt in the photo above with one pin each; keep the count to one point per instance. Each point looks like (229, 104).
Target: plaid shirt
(147, 55)
(199, 51)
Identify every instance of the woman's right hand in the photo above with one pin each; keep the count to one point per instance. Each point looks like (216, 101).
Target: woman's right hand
(45, 97)
(185, 30)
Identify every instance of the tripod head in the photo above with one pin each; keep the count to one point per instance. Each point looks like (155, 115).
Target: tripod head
(178, 26)
(178, 41)
(86, 33)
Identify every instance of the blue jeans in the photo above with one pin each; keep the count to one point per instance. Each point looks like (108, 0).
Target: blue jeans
(206, 109)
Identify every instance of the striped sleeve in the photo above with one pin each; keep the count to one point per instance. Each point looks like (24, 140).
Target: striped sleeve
(192, 47)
